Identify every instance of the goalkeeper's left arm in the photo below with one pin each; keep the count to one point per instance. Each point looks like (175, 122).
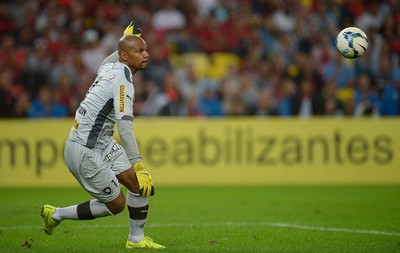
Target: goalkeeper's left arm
(144, 180)
(129, 141)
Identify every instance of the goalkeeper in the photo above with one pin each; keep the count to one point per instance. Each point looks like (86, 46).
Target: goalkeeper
(96, 160)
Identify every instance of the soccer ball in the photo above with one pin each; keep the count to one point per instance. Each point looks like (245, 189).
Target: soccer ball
(351, 42)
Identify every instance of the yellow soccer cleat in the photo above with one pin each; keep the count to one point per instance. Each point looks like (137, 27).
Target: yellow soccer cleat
(49, 223)
(146, 243)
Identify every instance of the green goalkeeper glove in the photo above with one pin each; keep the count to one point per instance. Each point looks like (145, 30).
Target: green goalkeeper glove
(130, 29)
(145, 182)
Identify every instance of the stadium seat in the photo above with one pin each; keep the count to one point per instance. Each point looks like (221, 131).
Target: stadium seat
(200, 61)
(221, 62)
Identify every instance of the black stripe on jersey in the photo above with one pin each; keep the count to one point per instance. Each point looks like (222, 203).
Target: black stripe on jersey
(127, 74)
(99, 122)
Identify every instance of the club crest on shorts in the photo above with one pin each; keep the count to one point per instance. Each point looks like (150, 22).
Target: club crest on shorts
(107, 190)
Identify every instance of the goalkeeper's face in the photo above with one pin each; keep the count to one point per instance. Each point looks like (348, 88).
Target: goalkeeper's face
(136, 55)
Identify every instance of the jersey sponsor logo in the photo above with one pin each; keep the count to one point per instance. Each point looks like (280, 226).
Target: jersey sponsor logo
(109, 156)
(82, 111)
(76, 125)
(121, 102)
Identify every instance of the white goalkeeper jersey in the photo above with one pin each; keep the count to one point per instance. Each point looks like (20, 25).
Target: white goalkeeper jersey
(109, 98)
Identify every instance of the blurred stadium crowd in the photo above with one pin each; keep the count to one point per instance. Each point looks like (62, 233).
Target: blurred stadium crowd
(208, 57)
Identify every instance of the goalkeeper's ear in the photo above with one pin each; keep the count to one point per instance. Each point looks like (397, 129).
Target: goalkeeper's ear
(130, 29)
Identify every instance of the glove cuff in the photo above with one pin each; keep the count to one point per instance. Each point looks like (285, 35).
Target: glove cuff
(138, 166)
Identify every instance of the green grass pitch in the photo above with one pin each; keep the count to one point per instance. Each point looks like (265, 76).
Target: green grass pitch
(217, 219)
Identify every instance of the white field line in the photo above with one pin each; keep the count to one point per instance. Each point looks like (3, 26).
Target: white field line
(345, 230)
(226, 224)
